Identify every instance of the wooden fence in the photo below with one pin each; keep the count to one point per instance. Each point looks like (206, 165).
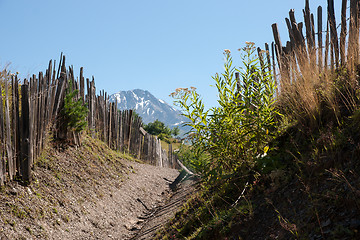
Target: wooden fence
(31, 113)
(312, 47)
(123, 132)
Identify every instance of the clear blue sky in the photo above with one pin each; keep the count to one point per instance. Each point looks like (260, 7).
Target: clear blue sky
(157, 45)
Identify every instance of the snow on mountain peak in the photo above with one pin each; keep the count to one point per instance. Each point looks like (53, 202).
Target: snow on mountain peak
(148, 107)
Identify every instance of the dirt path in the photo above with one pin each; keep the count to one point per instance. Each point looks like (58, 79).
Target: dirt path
(89, 192)
(158, 217)
(116, 216)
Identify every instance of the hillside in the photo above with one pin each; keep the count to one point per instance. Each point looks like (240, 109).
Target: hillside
(87, 192)
(289, 195)
(148, 107)
(279, 156)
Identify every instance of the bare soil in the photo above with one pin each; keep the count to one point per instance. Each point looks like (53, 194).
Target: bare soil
(89, 192)
(156, 218)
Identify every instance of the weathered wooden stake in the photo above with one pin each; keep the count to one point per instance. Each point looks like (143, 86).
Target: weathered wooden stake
(333, 31)
(10, 157)
(25, 134)
(343, 32)
(320, 40)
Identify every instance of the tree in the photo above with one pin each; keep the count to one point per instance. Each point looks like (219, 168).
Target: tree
(74, 111)
(159, 129)
(175, 131)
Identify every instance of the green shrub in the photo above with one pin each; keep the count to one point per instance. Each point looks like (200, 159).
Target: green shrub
(236, 132)
(75, 111)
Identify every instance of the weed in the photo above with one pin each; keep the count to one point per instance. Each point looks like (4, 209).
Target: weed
(58, 175)
(37, 194)
(234, 134)
(65, 218)
(55, 210)
(287, 225)
(20, 213)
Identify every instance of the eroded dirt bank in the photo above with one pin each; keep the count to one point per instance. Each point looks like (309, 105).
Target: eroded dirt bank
(89, 192)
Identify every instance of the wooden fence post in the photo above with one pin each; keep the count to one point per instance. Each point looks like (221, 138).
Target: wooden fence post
(48, 95)
(10, 157)
(170, 156)
(333, 31)
(353, 43)
(25, 134)
(308, 27)
(278, 43)
(82, 85)
(268, 57)
(2, 149)
(16, 122)
(320, 40)
(274, 68)
(110, 125)
(129, 128)
(327, 44)
(283, 65)
(343, 32)
(297, 31)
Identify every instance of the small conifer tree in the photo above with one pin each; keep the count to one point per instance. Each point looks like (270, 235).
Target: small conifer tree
(75, 111)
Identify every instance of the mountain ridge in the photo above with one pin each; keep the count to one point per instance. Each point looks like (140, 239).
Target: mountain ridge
(148, 107)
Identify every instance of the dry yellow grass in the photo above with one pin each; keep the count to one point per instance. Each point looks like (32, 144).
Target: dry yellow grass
(305, 88)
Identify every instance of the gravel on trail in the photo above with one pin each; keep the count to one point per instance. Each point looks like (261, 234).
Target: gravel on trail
(156, 218)
(118, 215)
(90, 192)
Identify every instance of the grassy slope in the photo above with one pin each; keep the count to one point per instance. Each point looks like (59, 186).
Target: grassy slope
(308, 187)
(314, 196)
(64, 179)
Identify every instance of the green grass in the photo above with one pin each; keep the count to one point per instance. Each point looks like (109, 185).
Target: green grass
(174, 142)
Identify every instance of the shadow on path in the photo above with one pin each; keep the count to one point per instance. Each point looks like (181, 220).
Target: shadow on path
(182, 188)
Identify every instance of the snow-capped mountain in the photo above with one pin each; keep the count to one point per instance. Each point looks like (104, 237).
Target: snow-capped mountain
(148, 107)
